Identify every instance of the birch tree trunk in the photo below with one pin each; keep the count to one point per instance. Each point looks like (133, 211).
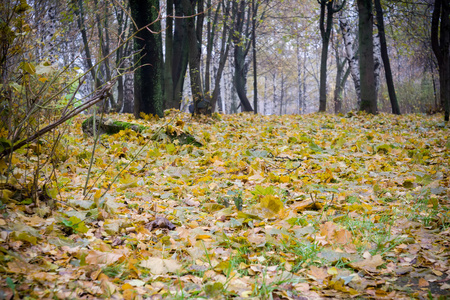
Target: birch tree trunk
(350, 44)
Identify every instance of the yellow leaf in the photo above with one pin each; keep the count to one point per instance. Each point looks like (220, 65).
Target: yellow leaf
(284, 179)
(6, 195)
(203, 237)
(272, 203)
(332, 271)
(129, 294)
(127, 286)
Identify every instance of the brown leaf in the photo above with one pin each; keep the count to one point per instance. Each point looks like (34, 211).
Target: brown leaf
(328, 230)
(98, 257)
(369, 264)
(160, 222)
(343, 236)
(318, 274)
(423, 282)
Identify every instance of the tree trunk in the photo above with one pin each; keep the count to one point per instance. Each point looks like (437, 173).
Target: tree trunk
(120, 59)
(350, 44)
(368, 92)
(148, 77)
(170, 101)
(377, 61)
(211, 32)
(299, 77)
(180, 53)
(240, 53)
(224, 49)
(194, 54)
(104, 51)
(325, 33)
(385, 57)
(128, 92)
(79, 12)
(440, 42)
(255, 74)
(341, 79)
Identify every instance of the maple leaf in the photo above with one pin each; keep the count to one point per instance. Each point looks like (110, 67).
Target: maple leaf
(370, 263)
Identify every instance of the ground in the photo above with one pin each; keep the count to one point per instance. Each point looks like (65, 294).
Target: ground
(259, 207)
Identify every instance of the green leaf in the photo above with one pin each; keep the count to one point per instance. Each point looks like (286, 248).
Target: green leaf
(314, 147)
(10, 283)
(170, 148)
(260, 190)
(213, 290)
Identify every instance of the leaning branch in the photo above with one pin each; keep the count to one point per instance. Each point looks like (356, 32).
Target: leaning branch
(100, 95)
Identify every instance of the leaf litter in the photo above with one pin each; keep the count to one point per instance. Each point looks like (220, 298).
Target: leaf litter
(260, 207)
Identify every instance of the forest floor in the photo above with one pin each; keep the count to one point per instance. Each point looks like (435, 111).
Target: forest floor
(256, 207)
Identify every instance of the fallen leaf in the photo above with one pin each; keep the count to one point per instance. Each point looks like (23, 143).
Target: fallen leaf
(159, 266)
(369, 264)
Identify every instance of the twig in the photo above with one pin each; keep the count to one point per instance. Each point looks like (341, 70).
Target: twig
(97, 97)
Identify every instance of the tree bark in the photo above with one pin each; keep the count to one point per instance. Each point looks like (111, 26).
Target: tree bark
(440, 42)
(240, 52)
(224, 49)
(377, 61)
(350, 44)
(104, 40)
(255, 74)
(368, 91)
(180, 54)
(325, 33)
(194, 54)
(385, 57)
(148, 77)
(79, 12)
(341, 79)
(170, 102)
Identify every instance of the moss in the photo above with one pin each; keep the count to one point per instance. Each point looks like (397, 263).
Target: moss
(109, 127)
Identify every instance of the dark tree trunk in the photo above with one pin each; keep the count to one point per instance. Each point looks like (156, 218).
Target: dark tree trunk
(224, 49)
(240, 52)
(170, 102)
(325, 33)
(366, 61)
(255, 74)
(103, 37)
(385, 57)
(148, 77)
(194, 53)
(79, 11)
(180, 54)
(211, 28)
(440, 41)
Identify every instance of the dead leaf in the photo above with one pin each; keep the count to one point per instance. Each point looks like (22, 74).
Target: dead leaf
(105, 258)
(160, 222)
(369, 264)
(318, 274)
(159, 266)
